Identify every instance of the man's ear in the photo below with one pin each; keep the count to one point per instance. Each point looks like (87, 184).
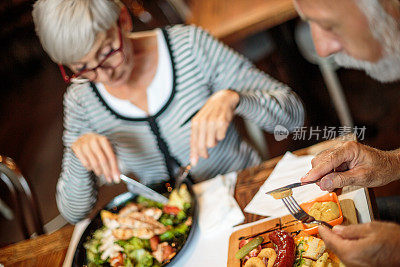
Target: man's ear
(125, 20)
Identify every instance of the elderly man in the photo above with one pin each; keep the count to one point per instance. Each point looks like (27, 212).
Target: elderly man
(361, 34)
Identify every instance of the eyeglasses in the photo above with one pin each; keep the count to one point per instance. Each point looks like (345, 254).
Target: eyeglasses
(111, 61)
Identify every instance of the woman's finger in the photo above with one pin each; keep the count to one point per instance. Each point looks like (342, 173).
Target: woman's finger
(81, 156)
(101, 159)
(201, 141)
(211, 133)
(112, 159)
(221, 130)
(92, 159)
(194, 156)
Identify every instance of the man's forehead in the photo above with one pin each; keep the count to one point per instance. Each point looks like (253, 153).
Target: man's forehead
(324, 9)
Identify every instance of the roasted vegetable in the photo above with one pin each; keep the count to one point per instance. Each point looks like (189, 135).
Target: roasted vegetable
(148, 202)
(178, 198)
(249, 247)
(134, 243)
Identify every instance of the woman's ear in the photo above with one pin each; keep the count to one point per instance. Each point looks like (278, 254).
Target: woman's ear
(125, 20)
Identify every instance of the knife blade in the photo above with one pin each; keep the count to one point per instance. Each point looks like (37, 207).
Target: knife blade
(290, 186)
(138, 188)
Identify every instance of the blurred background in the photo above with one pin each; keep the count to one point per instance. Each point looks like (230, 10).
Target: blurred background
(271, 35)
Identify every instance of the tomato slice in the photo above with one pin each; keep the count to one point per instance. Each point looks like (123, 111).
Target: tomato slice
(171, 210)
(154, 241)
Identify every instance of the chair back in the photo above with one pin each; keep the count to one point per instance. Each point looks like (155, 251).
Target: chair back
(21, 192)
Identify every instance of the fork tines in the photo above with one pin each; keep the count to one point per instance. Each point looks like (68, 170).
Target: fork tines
(295, 209)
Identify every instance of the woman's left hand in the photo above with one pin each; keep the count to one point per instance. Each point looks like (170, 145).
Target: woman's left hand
(210, 124)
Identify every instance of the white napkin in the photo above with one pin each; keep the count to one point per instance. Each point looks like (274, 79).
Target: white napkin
(288, 170)
(218, 213)
(217, 207)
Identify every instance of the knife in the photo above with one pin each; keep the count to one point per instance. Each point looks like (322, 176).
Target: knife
(290, 186)
(138, 188)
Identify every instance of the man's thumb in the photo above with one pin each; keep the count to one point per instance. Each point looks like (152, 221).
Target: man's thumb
(331, 239)
(336, 180)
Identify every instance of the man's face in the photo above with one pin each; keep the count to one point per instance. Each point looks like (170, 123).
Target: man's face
(360, 35)
(340, 26)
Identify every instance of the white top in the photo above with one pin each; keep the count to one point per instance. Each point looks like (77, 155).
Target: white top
(158, 91)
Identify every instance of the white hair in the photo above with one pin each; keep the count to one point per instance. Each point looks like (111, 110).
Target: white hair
(67, 29)
(386, 30)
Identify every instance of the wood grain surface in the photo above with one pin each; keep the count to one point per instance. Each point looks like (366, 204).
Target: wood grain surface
(235, 19)
(45, 250)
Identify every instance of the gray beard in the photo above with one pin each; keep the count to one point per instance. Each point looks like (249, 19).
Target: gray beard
(386, 69)
(385, 29)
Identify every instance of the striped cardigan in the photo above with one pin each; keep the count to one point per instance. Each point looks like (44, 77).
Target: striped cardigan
(151, 148)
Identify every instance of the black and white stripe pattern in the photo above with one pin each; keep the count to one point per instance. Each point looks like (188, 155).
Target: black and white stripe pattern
(202, 66)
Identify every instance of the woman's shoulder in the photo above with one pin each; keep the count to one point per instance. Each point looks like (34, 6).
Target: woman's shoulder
(76, 92)
(185, 33)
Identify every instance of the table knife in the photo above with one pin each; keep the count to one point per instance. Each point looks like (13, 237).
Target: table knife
(138, 188)
(290, 186)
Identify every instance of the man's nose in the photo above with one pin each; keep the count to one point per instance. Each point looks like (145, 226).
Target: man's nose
(325, 42)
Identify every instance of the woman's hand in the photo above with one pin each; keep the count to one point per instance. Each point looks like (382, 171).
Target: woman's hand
(369, 244)
(210, 124)
(352, 163)
(96, 154)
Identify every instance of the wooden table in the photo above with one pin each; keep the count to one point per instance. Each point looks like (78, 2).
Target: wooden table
(232, 20)
(50, 249)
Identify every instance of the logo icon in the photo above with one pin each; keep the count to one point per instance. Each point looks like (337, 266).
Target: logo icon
(280, 133)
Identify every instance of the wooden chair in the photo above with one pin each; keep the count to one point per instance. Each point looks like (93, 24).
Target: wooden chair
(20, 193)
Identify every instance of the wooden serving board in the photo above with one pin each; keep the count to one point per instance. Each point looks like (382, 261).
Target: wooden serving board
(287, 223)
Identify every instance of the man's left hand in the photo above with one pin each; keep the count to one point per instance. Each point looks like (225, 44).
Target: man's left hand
(369, 244)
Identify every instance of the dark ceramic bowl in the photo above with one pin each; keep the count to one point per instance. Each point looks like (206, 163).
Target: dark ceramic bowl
(117, 203)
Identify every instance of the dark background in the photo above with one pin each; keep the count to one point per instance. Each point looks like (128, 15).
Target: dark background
(32, 89)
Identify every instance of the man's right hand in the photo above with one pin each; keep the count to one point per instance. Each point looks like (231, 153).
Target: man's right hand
(96, 154)
(352, 163)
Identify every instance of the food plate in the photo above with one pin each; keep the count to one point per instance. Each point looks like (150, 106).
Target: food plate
(286, 223)
(80, 258)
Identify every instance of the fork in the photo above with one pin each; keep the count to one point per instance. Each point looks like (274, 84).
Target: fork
(183, 173)
(297, 212)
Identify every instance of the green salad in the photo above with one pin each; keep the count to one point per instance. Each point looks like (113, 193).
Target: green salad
(144, 233)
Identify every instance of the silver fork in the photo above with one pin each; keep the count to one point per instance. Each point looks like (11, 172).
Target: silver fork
(297, 212)
(183, 174)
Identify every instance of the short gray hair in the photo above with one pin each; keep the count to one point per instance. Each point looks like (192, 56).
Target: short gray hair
(67, 29)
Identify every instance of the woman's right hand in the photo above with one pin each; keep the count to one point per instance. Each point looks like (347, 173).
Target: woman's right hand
(96, 154)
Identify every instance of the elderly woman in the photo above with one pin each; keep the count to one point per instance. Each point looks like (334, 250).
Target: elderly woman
(148, 102)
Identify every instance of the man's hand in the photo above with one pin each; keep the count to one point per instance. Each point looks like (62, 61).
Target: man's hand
(96, 154)
(352, 163)
(370, 244)
(210, 124)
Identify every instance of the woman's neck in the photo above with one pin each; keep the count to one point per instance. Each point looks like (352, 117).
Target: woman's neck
(145, 61)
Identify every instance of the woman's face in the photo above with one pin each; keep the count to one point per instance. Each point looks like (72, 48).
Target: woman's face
(114, 53)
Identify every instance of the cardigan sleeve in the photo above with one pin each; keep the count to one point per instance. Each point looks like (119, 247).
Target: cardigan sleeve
(263, 100)
(76, 187)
